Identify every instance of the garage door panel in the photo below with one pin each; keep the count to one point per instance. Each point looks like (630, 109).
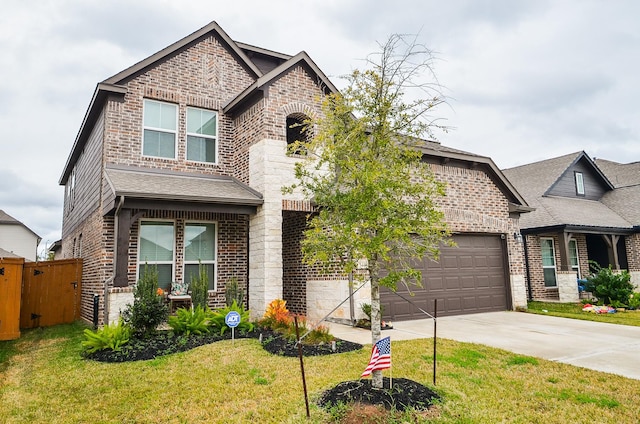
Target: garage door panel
(468, 278)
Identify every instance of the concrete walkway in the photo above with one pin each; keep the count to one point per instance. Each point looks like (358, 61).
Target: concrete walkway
(599, 346)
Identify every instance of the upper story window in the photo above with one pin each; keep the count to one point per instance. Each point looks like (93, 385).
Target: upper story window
(579, 184)
(160, 127)
(202, 135)
(297, 131)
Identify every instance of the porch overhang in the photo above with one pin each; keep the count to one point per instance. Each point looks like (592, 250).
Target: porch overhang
(135, 188)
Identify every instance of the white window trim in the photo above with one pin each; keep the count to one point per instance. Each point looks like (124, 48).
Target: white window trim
(579, 183)
(577, 267)
(215, 251)
(214, 138)
(173, 262)
(164, 130)
(553, 252)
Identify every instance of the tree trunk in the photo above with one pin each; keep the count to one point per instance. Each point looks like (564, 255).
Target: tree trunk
(376, 318)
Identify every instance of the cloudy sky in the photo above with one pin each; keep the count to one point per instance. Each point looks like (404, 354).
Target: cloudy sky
(526, 80)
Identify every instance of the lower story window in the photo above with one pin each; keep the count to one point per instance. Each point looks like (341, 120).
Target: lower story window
(200, 249)
(156, 249)
(548, 262)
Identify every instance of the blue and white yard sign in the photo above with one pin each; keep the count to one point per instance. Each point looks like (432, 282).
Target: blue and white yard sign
(232, 319)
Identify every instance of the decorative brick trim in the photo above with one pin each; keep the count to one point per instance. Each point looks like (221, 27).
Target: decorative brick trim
(160, 94)
(460, 215)
(297, 205)
(128, 289)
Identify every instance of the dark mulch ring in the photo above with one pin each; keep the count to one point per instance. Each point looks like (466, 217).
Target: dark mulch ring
(166, 342)
(405, 394)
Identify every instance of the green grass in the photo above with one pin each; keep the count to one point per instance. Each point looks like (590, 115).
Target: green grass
(574, 310)
(43, 379)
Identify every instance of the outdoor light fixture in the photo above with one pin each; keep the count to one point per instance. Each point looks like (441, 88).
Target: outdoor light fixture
(517, 237)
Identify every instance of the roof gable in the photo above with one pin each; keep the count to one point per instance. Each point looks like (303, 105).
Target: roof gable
(594, 181)
(211, 29)
(262, 83)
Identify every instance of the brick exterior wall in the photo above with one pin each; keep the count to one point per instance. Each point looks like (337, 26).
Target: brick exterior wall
(205, 75)
(252, 148)
(535, 272)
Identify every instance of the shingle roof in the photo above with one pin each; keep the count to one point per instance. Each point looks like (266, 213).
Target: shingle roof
(7, 254)
(613, 210)
(7, 219)
(138, 183)
(620, 174)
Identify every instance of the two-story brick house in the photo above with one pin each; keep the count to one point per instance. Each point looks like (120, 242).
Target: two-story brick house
(181, 158)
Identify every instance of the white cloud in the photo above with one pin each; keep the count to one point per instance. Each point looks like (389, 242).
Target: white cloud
(528, 80)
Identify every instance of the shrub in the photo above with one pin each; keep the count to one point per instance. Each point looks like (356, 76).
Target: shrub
(112, 336)
(609, 287)
(148, 309)
(277, 315)
(233, 292)
(200, 287)
(217, 318)
(634, 300)
(190, 321)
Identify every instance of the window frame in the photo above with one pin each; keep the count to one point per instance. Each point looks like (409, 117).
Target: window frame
(579, 180)
(553, 256)
(161, 130)
(213, 262)
(207, 137)
(140, 262)
(577, 256)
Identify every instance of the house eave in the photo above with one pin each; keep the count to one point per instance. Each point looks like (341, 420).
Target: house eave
(101, 93)
(584, 229)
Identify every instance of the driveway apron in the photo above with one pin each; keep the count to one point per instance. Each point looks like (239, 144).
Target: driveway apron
(598, 346)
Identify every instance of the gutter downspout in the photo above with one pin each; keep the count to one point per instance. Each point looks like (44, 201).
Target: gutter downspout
(115, 258)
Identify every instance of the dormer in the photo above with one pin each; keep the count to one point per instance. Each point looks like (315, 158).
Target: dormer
(581, 179)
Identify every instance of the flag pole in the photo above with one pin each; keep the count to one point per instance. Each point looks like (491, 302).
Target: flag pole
(390, 368)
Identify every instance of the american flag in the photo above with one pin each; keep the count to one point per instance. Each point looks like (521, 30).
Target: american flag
(380, 356)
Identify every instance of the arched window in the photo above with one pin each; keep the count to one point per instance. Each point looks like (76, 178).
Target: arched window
(297, 131)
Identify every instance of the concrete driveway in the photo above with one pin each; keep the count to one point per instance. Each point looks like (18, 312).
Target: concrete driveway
(599, 346)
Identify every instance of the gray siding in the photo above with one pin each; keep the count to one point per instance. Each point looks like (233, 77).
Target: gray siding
(594, 187)
(88, 175)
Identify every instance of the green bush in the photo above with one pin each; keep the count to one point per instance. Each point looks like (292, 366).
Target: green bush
(217, 318)
(610, 287)
(634, 300)
(233, 292)
(149, 309)
(112, 336)
(190, 321)
(200, 287)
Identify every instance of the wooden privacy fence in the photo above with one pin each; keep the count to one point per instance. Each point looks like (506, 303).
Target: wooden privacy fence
(38, 294)
(10, 283)
(51, 292)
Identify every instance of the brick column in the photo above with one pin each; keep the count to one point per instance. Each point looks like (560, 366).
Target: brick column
(567, 286)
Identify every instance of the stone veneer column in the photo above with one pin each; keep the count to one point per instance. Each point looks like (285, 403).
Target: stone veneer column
(265, 227)
(635, 279)
(518, 291)
(567, 286)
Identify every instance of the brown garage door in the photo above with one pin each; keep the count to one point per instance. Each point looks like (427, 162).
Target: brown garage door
(469, 278)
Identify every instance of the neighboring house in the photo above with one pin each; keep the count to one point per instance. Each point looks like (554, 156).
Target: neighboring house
(181, 158)
(585, 211)
(17, 238)
(55, 250)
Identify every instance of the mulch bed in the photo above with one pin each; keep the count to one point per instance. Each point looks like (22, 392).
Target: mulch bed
(404, 393)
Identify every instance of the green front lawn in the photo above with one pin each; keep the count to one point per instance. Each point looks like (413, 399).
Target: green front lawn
(43, 379)
(574, 310)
